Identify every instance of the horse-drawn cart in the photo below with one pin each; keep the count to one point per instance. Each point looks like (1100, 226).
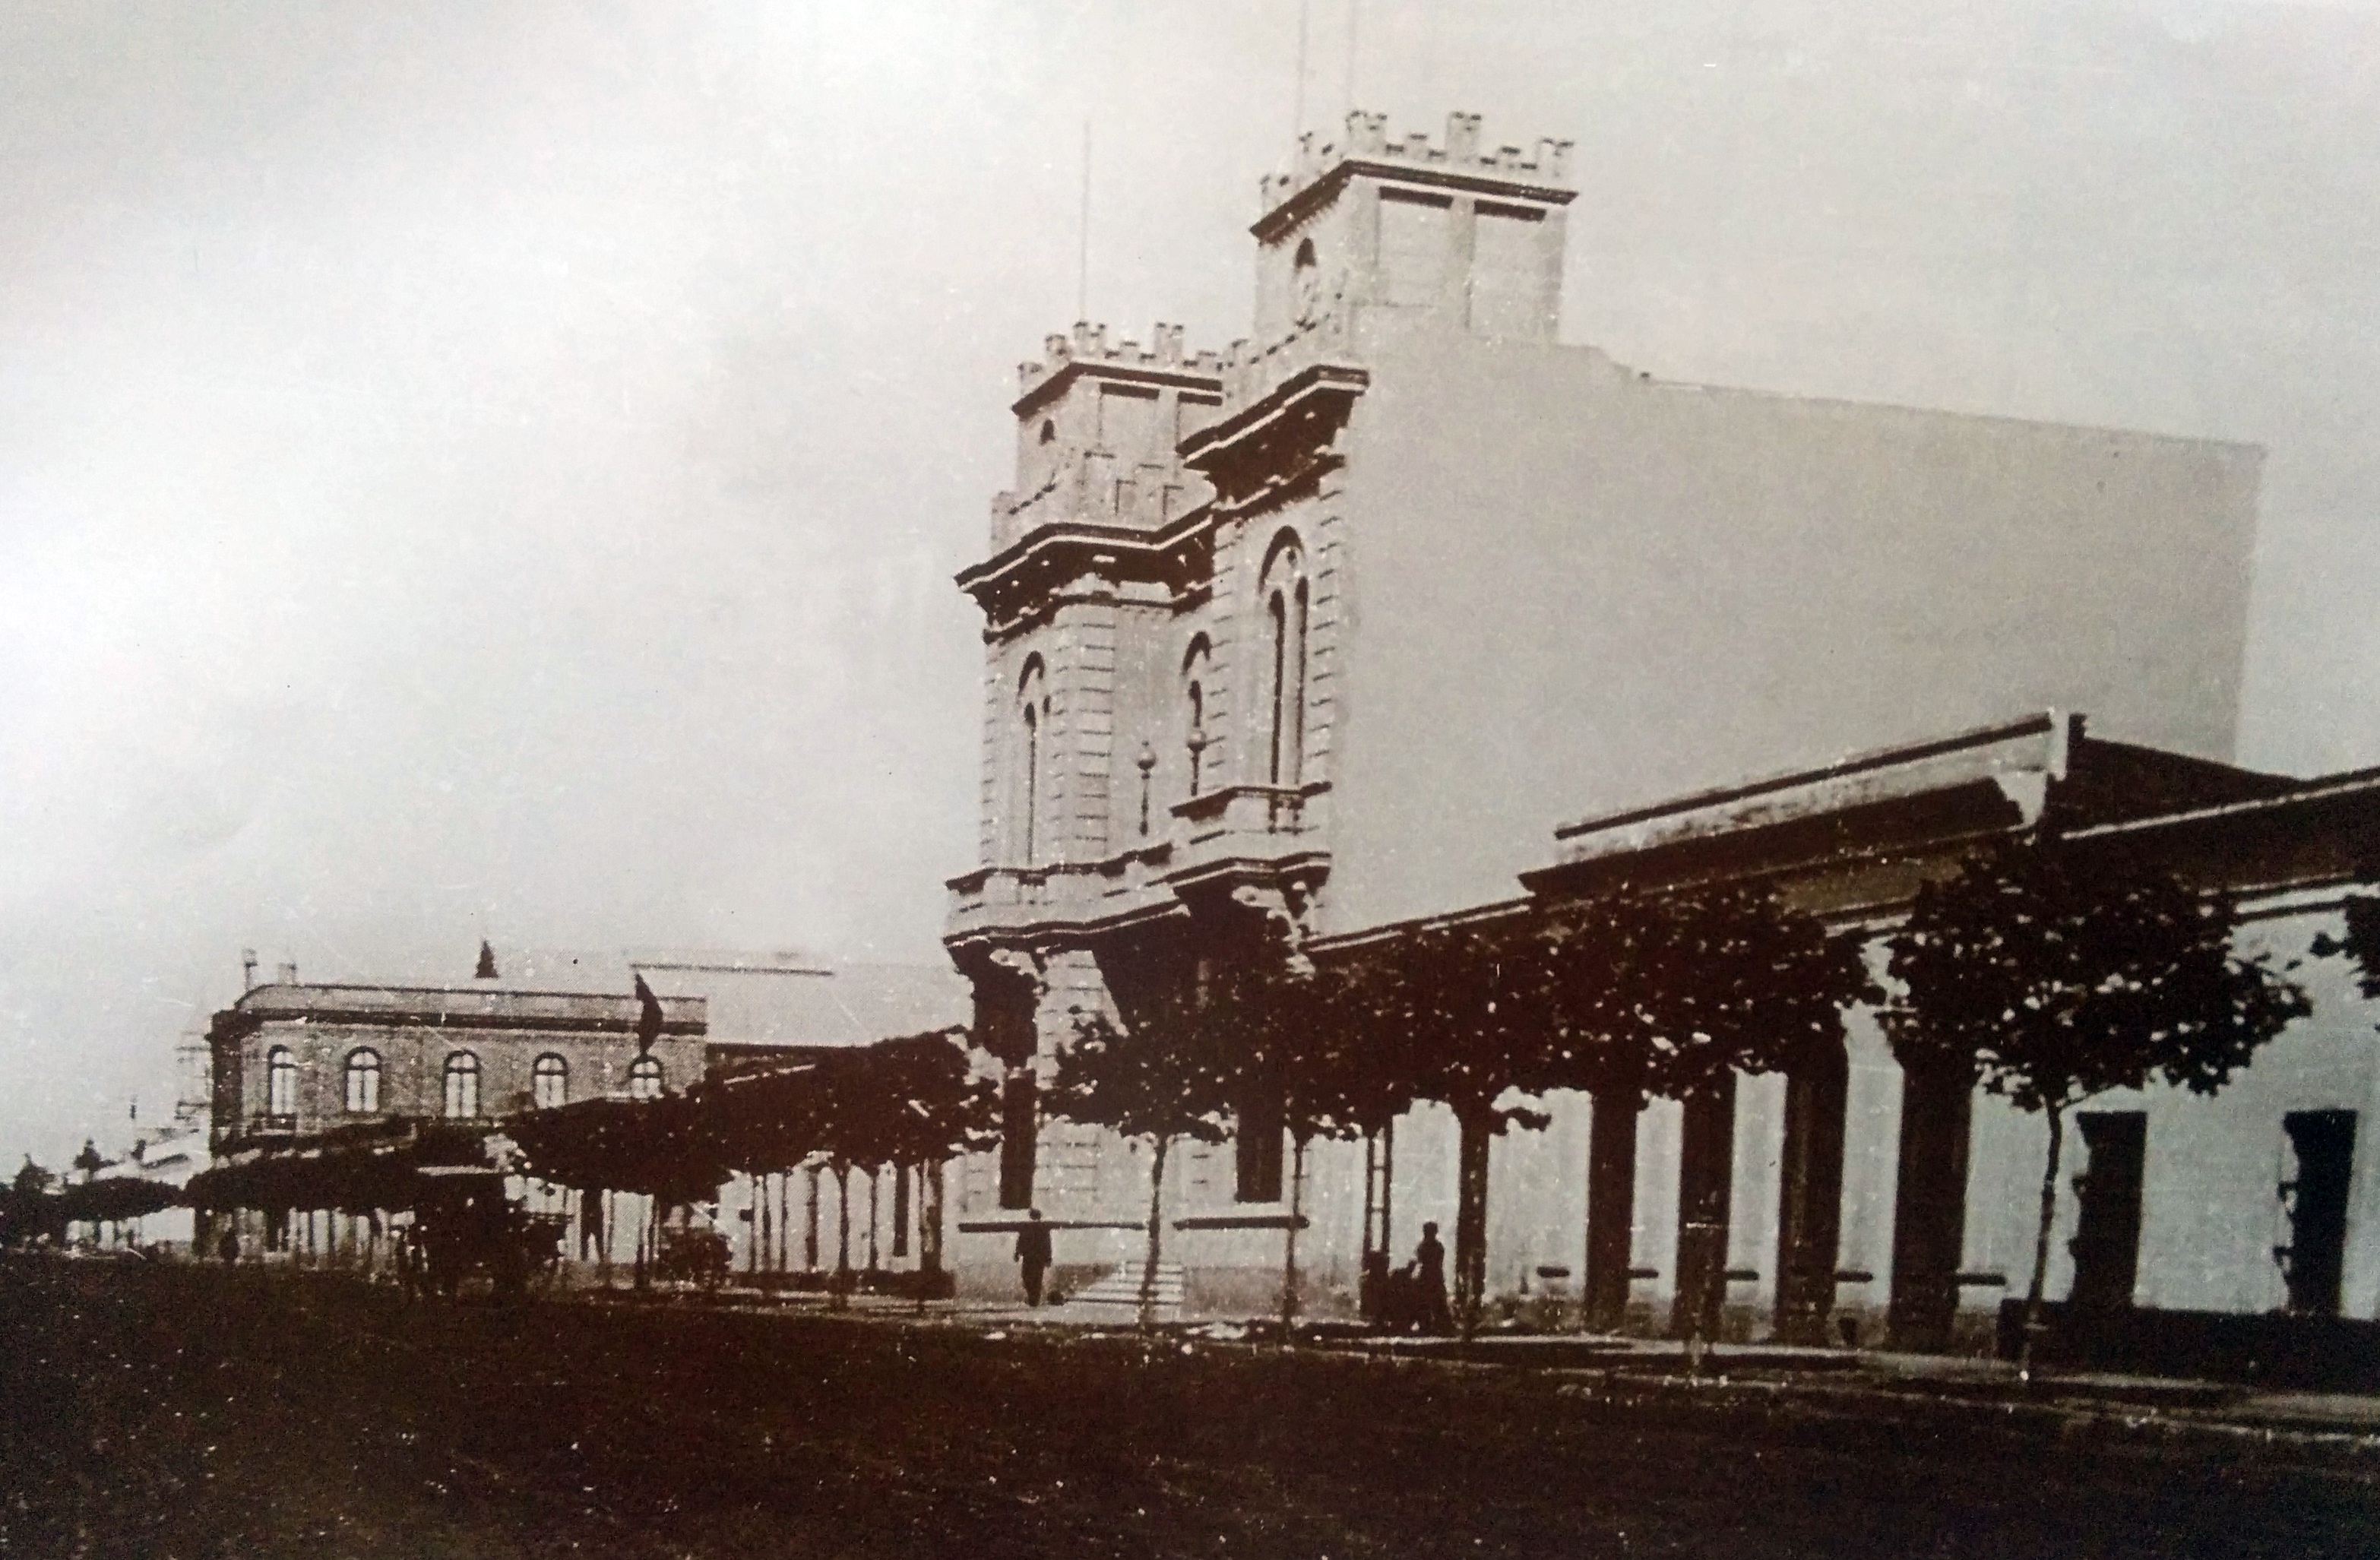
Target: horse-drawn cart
(464, 1226)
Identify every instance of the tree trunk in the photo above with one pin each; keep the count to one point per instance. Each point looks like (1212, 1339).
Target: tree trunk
(1156, 1227)
(644, 1226)
(1471, 1223)
(875, 1206)
(2041, 1242)
(1288, 1246)
(1610, 1206)
(842, 1235)
(929, 1238)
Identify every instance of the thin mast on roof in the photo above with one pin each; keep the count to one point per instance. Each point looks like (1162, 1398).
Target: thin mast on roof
(1083, 236)
(1298, 98)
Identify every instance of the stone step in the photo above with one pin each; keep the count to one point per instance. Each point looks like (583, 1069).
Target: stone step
(1121, 1287)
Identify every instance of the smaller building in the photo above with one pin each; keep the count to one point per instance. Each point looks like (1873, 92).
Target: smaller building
(292, 1058)
(292, 1061)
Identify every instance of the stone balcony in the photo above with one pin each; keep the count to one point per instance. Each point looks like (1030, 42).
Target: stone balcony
(1237, 833)
(993, 900)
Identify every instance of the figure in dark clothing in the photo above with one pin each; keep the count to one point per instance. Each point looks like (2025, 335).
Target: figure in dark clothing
(1430, 1268)
(228, 1248)
(1033, 1251)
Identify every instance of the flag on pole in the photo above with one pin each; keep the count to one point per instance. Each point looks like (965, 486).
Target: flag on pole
(648, 1023)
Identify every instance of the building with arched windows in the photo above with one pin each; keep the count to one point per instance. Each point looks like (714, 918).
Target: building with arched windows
(290, 1061)
(1344, 627)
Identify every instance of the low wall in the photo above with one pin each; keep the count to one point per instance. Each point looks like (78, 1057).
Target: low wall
(2325, 1353)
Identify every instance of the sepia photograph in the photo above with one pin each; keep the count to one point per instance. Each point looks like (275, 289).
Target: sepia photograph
(1325, 778)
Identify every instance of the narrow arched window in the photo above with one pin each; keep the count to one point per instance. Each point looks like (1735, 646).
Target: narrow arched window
(1032, 779)
(1033, 735)
(363, 1082)
(1277, 610)
(1194, 735)
(645, 1077)
(550, 1083)
(1296, 766)
(1286, 598)
(462, 1099)
(280, 1082)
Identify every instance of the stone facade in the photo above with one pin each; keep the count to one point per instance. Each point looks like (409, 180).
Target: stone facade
(313, 1036)
(1335, 628)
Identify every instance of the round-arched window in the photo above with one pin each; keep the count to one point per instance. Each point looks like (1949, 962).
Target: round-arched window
(550, 1083)
(1305, 284)
(363, 1082)
(461, 1095)
(645, 1077)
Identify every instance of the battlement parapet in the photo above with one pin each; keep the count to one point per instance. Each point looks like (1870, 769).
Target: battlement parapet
(1098, 487)
(1367, 139)
(1089, 343)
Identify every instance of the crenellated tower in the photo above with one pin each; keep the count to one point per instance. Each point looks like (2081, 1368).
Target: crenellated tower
(1165, 600)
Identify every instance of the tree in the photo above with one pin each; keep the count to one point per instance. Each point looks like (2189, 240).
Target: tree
(2361, 944)
(31, 1180)
(1157, 1081)
(1456, 1002)
(1273, 1025)
(1672, 993)
(2058, 978)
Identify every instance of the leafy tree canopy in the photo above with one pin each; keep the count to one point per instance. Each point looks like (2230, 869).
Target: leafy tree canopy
(2361, 944)
(1664, 994)
(1169, 1076)
(2058, 979)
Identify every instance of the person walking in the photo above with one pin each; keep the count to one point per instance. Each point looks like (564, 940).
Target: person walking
(1430, 1267)
(1033, 1252)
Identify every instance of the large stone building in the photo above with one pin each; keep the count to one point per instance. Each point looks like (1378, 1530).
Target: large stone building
(291, 1060)
(1337, 628)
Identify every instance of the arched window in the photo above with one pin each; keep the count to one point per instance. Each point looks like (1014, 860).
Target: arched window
(1049, 432)
(550, 1083)
(462, 1086)
(645, 1077)
(280, 1082)
(1305, 284)
(1194, 696)
(363, 1082)
(1033, 721)
(1286, 610)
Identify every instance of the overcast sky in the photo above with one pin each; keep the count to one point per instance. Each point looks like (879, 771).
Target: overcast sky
(476, 468)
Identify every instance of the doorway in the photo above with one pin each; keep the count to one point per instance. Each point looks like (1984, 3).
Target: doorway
(2106, 1244)
(2315, 1199)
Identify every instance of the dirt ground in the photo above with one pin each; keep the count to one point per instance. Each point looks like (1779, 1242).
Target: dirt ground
(191, 1412)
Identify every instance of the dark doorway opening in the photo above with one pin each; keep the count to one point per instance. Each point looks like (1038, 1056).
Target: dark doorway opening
(2315, 1197)
(1020, 1130)
(2106, 1243)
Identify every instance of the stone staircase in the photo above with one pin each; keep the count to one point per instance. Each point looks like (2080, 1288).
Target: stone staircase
(1116, 1297)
